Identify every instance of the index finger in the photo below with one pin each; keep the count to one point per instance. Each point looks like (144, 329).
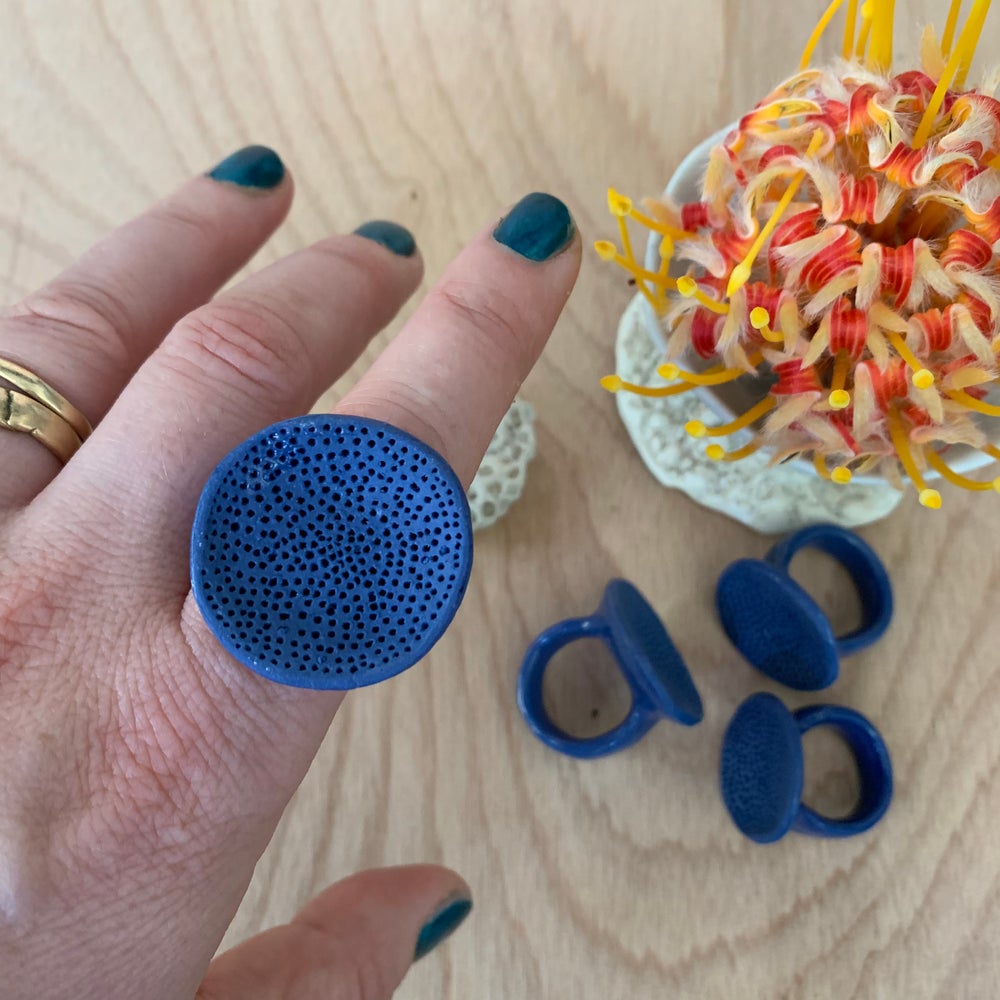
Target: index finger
(454, 368)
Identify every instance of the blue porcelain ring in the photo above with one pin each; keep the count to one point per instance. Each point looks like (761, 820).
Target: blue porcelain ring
(761, 772)
(330, 551)
(780, 629)
(660, 683)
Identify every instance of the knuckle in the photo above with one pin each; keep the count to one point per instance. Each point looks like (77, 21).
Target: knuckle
(95, 317)
(247, 345)
(491, 314)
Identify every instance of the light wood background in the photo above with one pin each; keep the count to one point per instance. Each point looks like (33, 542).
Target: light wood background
(610, 879)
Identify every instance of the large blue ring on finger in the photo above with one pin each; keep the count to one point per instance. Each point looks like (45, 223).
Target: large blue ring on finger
(330, 551)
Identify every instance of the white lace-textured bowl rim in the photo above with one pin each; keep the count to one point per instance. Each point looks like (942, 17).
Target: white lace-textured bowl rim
(685, 185)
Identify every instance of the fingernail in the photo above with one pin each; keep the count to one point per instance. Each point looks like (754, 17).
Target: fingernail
(538, 227)
(442, 925)
(250, 167)
(390, 235)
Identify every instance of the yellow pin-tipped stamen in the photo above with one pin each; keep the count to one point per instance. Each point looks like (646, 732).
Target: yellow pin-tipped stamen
(841, 475)
(971, 403)
(880, 47)
(713, 376)
(922, 378)
(698, 429)
(606, 250)
(817, 34)
(962, 53)
(666, 249)
(928, 497)
(948, 35)
(688, 287)
(936, 462)
(866, 28)
(760, 320)
(613, 383)
(741, 273)
(719, 454)
(619, 205)
(660, 227)
(992, 450)
(839, 397)
(850, 29)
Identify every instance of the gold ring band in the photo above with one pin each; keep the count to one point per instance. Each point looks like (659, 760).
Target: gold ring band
(19, 412)
(35, 388)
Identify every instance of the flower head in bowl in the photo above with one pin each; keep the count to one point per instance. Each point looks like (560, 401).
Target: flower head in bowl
(843, 254)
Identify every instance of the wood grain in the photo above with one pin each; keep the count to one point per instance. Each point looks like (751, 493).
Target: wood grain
(615, 878)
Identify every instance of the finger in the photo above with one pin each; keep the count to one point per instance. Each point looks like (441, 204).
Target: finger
(453, 370)
(260, 352)
(88, 330)
(355, 941)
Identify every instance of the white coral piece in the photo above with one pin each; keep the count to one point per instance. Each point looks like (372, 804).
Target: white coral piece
(500, 479)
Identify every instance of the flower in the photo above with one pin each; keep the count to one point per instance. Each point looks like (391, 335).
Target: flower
(845, 254)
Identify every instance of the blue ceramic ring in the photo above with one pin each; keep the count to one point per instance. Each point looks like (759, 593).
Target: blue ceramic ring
(330, 551)
(780, 629)
(761, 772)
(659, 680)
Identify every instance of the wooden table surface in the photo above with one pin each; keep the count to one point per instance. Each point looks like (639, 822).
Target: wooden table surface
(610, 879)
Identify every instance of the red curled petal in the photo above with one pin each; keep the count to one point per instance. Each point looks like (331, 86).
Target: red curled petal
(858, 118)
(916, 84)
(966, 249)
(987, 224)
(832, 260)
(848, 329)
(694, 216)
(889, 384)
(976, 391)
(980, 312)
(937, 328)
(896, 276)
(705, 329)
(857, 198)
(777, 153)
(901, 165)
(731, 245)
(793, 379)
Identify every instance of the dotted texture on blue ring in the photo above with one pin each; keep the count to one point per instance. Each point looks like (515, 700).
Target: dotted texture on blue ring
(776, 625)
(761, 771)
(331, 552)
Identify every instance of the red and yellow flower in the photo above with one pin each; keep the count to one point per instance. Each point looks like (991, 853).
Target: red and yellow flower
(846, 242)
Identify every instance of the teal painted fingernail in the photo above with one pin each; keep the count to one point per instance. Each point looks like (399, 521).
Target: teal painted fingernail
(390, 235)
(538, 227)
(250, 167)
(443, 924)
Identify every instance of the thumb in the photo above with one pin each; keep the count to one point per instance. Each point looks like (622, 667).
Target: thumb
(355, 940)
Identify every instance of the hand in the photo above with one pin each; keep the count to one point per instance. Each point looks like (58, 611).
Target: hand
(144, 770)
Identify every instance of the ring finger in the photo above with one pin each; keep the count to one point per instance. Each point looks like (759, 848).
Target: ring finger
(87, 331)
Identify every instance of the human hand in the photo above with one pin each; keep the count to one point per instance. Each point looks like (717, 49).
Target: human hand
(144, 769)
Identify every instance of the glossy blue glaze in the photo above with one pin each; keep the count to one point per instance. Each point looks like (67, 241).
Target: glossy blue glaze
(657, 676)
(761, 770)
(780, 629)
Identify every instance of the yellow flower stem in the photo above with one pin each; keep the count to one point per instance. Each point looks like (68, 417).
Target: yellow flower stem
(688, 287)
(880, 48)
(660, 227)
(866, 27)
(964, 48)
(697, 429)
(922, 378)
(936, 462)
(612, 383)
(841, 475)
(992, 450)
(821, 26)
(963, 69)
(928, 498)
(719, 454)
(971, 403)
(839, 397)
(741, 273)
(949, 27)
(712, 376)
(850, 28)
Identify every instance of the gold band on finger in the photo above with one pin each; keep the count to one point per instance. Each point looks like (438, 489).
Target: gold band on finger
(19, 412)
(41, 392)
